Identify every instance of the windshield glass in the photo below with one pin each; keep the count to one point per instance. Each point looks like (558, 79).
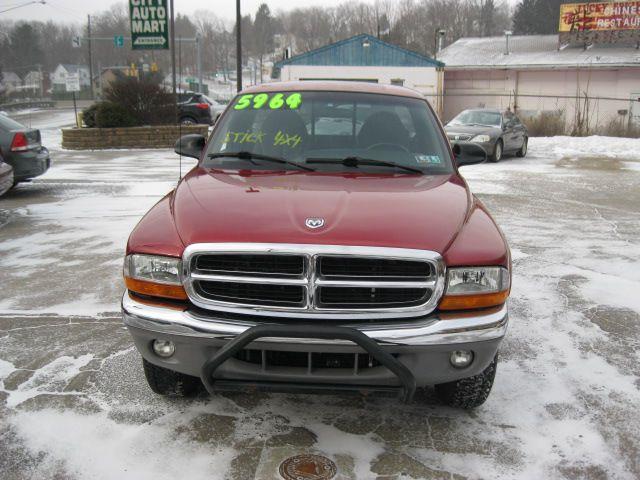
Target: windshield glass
(477, 117)
(306, 126)
(8, 124)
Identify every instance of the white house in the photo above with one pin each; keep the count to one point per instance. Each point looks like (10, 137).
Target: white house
(10, 81)
(62, 71)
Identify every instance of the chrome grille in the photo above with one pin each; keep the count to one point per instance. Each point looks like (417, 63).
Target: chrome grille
(341, 282)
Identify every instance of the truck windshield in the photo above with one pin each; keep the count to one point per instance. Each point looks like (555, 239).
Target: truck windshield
(391, 132)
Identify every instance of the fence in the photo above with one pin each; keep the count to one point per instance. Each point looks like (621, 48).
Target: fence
(557, 114)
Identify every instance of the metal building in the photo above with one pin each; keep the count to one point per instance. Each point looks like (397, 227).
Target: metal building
(536, 73)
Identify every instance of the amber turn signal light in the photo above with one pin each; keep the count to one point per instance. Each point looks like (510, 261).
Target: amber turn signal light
(468, 302)
(175, 292)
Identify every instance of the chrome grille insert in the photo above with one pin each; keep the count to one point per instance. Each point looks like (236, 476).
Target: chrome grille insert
(321, 281)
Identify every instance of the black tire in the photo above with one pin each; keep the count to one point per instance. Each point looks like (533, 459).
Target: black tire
(188, 121)
(498, 150)
(167, 382)
(468, 392)
(523, 150)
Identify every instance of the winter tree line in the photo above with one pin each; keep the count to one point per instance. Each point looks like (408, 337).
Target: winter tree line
(28, 45)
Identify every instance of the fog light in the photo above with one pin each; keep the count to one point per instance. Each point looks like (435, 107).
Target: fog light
(164, 348)
(461, 358)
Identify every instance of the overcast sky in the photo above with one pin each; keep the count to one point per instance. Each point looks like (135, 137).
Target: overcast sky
(77, 10)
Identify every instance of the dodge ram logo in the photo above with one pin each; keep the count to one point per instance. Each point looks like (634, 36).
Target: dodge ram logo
(314, 222)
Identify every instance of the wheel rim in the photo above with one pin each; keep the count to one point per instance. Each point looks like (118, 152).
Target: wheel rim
(187, 121)
(525, 145)
(498, 153)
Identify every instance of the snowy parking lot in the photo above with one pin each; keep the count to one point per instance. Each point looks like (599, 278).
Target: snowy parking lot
(74, 402)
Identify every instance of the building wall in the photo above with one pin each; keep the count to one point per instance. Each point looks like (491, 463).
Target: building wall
(422, 79)
(533, 91)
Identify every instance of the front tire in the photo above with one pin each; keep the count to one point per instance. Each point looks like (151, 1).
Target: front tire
(523, 150)
(468, 392)
(169, 383)
(497, 152)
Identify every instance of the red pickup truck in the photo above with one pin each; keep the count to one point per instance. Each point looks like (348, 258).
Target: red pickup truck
(325, 241)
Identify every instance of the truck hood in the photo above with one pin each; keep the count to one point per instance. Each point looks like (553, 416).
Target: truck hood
(403, 211)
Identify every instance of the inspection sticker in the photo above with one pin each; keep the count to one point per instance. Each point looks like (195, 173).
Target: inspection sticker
(429, 159)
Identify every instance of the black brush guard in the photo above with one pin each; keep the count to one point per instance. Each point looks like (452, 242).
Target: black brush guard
(407, 381)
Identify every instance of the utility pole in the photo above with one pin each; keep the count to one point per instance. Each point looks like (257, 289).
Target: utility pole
(173, 60)
(40, 81)
(238, 47)
(199, 55)
(90, 56)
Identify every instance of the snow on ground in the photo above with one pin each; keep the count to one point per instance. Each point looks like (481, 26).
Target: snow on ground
(73, 403)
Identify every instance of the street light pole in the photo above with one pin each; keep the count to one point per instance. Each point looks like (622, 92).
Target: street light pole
(173, 60)
(41, 2)
(238, 48)
(90, 55)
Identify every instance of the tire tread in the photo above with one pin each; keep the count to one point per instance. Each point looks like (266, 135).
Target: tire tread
(470, 392)
(169, 383)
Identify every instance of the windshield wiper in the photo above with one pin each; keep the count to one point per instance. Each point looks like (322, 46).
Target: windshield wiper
(355, 162)
(258, 156)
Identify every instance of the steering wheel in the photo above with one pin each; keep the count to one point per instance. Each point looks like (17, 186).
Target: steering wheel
(394, 146)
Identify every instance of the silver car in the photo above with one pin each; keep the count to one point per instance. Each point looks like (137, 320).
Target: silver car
(22, 148)
(6, 177)
(495, 131)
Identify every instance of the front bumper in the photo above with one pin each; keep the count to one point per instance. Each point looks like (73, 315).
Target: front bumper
(489, 147)
(421, 346)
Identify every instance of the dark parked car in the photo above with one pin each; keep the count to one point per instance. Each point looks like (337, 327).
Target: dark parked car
(6, 177)
(21, 148)
(197, 108)
(497, 132)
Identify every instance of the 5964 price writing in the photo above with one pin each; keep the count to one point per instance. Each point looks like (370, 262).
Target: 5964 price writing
(264, 100)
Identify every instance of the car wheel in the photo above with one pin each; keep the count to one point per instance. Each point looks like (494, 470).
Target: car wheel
(188, 121)
(523, 150)
(167, 382)
(497, 152)
(468, 392)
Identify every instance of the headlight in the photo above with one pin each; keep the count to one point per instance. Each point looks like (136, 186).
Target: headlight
(475, 287)
(481, 139)
(153, 268)
(154, 275)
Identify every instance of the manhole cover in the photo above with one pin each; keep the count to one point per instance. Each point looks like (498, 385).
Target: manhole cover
(308, 467)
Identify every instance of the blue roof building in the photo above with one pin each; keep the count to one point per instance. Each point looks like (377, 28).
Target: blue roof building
(366, 58)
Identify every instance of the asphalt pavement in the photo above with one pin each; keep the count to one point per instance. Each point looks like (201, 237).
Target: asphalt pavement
(74, 402)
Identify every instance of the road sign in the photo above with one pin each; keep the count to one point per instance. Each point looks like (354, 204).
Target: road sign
(72, 83)
(76, 42)
(118, 41)
(149, 24)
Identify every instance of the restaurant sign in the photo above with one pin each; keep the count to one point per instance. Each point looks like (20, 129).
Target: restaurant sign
(600, 16)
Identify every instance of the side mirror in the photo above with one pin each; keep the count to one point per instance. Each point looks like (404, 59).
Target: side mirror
(190, 145)
(469, 154)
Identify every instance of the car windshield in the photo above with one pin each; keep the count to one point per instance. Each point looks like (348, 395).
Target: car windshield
(327, 130)
(478, 117)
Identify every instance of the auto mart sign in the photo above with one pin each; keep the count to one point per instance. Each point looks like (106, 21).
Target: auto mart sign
(149, 24)
(599, 16)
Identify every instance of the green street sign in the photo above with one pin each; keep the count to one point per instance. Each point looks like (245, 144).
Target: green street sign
(149, 24)
(118, 41)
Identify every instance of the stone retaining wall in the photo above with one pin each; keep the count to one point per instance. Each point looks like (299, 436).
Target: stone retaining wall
(164, 136)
